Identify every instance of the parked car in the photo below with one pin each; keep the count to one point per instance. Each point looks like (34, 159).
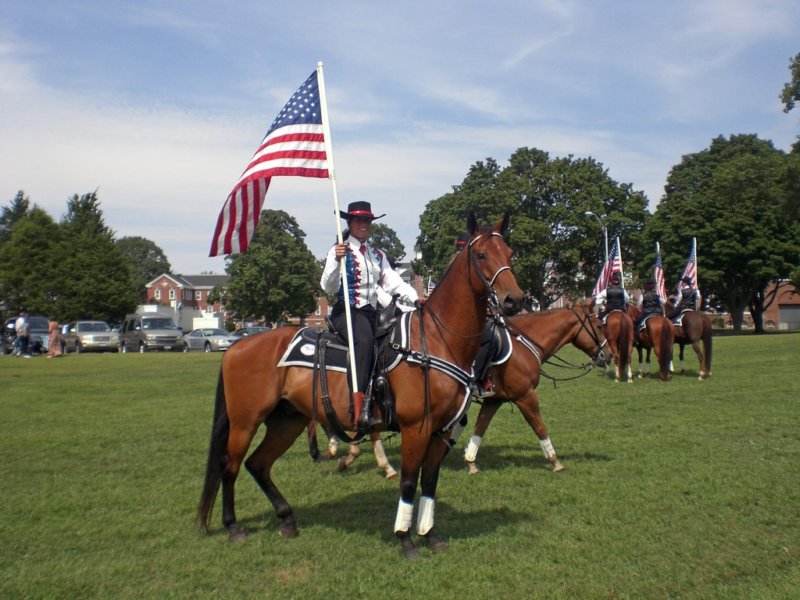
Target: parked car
(37, 335)
(86, 336)
(209, 339)
(248, 331)
(147, 332)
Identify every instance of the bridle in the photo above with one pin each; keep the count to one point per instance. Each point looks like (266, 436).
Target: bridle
(472, 263)
(592, 331)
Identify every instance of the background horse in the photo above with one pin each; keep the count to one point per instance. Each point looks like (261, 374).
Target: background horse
(619, 332)
(695, 328)
(535, 338)
(252, 389)
(353, 452)
(658, 334)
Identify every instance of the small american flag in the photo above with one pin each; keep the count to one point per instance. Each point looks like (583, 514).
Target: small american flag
(658, 276)
(690, 270)
(613, 264)
(294, 145)
(431, 285)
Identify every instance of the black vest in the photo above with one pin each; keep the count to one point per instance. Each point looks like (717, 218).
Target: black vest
(688, 299)
(651, 304)
(615, 298)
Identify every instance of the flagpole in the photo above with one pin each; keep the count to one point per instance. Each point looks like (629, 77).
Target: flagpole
(619, 255)
(342, 263)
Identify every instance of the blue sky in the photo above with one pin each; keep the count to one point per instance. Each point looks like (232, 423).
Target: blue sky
(159, 105)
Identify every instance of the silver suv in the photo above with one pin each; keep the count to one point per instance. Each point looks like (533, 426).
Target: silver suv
(143, 333)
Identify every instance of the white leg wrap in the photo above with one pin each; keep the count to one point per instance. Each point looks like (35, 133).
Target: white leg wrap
(404, 518)
(458, 429)
(471, 450)
(547, 448)
(380, 455)
(425, 515)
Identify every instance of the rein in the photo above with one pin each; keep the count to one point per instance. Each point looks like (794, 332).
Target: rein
(532, 345)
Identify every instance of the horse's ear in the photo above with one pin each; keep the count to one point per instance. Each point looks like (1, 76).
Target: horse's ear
(502, 226)
(472, 223)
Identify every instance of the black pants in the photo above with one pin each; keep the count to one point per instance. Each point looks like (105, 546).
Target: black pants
(363, 339)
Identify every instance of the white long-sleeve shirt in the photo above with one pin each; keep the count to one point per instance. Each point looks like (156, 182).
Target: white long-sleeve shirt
(365, 273)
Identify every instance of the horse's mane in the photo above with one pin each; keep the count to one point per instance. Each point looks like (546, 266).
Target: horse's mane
(481, 231)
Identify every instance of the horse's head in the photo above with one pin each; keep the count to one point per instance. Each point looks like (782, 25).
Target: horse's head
(591, 338)
(489, 259)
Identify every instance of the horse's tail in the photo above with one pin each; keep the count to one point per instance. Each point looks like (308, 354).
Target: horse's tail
(217, 450)
(707, 337)
(665, 349)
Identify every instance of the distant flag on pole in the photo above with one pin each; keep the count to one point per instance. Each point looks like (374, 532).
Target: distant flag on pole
(613, 264)
(690, 270)
(431, 285)
(294, 145)
(658, 275)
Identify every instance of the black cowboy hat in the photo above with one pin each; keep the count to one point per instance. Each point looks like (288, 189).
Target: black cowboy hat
(361, 210)
(687, 279)
(616, 276)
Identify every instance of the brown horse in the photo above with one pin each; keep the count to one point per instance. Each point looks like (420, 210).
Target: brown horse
(430, 386)
(619, 332)
(536, 337)
(695, 328)
(658, 334)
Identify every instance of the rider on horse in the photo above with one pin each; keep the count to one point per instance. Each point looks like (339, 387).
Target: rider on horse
(687, 298)
(367, 269)
(614, 297)
(649, 303)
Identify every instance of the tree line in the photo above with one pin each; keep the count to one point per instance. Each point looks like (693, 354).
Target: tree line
(74, 268)
(740, 198)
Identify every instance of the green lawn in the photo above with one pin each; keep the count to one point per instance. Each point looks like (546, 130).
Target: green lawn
(684, 489)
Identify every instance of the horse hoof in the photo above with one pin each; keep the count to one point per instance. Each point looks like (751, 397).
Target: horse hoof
(435, 543)
(342, 466)
(288, 530)
(557, 467)
(409, 549)
(472, 468)
(236, 535)
(391, 474)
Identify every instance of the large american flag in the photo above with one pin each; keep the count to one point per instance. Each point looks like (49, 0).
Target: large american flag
(613, 264)
(658, 276)
(294, 145)
(690, 270)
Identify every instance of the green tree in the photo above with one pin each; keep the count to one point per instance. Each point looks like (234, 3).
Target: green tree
(734, 198)
(94, 274)
(558, 250)
(278, 275)
(791, 92)
(384, 237)
(30, 265)
(19, 207)
(145, 259)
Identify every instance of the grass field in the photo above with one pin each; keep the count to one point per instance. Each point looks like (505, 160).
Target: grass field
(684, 489)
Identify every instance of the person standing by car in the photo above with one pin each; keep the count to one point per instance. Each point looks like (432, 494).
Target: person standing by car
(23, 335)
(53, 338)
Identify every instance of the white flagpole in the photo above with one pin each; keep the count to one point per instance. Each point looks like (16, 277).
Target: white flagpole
(694, 251)
(326, 130)
(621, 274)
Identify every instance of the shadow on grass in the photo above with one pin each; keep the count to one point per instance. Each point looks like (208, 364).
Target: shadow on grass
(372, 513)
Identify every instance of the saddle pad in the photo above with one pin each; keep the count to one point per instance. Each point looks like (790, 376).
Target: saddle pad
(643, 324)
(502, 346)
(303, 346)
(678, 321)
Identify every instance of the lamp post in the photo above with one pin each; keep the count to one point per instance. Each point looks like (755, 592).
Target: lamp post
(589, 213)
